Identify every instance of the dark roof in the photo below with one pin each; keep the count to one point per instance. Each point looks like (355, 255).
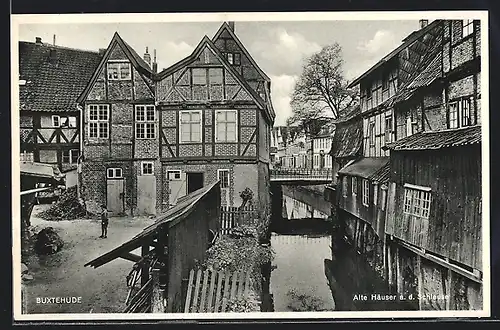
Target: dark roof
(438, 139)
(170, 218)
(348, 138)
(139, 60)
(348, 114)
(406, 42)
(429, 74)
(382, 175)
(365, 167)
(53, 85)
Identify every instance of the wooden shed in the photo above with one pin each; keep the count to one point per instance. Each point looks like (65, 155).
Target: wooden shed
(179, 239)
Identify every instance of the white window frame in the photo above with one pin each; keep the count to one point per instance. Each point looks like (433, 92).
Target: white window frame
(217, 137)
(144, 123)
(98, 121)
(219, 177)
(375, 193)
(365, 193)
(119, 64)
(417, 201)
(371, 133)
(467, 27)
(191, 123)
(388, 128)
(354, 185)
(148, 163)
(114, 173)
(174, 172)
(27, 156)
(230, 58)
(54, 121)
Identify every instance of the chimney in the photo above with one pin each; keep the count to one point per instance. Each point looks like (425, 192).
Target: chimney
(102, 51)
(54, 40)
(147, 57)
(231, 26)
(38, 40)
(155, 65)
(423, 23)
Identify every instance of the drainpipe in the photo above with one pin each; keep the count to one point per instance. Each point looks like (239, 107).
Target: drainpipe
(80, 157)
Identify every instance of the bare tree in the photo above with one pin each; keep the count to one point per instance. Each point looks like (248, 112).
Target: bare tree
(321, 90)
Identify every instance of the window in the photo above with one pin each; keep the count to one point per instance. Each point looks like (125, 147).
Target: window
(98, 121)
(226, 126)
(467, 27)
(369, 92)
(56, 121)
(70, 156)
(68, 122)
(119, 71)
(465, 110)
(230, 58)
(215, 76)
(145, 122)
(190, 126)
(385, 81)
(366, 192)
(223, 176)
(199, 76)
(174, 175)
(371, 133)
(114, 173)
(26, 157)
(375, 193)
(453, 115)
(417, 201)
(237, 58)
(354, 183)
(147, 168)
(388, 128)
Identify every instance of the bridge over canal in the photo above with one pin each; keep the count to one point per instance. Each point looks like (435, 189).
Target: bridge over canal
(301, 176)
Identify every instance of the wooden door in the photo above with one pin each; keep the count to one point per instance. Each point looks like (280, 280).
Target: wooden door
(194, 181)
(115, 196)
(176, 186)
(146, 194)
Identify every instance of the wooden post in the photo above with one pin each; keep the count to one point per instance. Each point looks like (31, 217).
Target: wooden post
(157, 296)
(420, 283)
(389, 266)
(399, 275)
(145, 266)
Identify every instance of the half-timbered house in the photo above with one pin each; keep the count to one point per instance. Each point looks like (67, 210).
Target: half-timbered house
(216, 116)
(120, 133)
(435, 189)
(50, 80)
(151, 138)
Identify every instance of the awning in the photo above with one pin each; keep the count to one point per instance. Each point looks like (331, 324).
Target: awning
(365, 167)
(170, 218)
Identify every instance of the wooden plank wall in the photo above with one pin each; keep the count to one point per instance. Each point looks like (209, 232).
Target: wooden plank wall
(454, 225)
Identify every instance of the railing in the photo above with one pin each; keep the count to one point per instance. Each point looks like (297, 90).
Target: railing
(302, 173)
(232, 216)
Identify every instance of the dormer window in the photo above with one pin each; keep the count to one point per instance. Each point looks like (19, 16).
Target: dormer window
(119, 71)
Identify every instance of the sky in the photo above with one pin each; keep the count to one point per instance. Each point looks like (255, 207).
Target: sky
(278, 47)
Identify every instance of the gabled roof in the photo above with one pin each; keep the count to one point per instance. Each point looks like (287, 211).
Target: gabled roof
(415, 35)
(348, 138)
(136, 60)
(433, 140)
(170, 218)
(206, 42)
(225, 27)
(53, 85)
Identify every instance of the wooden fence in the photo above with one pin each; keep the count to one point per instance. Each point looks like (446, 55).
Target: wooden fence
(232, 216)
(141, 301)
(210, 291)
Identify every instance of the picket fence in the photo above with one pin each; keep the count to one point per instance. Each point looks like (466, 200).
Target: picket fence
(210, 291)
(232, 216)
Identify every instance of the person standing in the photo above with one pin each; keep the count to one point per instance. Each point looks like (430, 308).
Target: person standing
(104, 222)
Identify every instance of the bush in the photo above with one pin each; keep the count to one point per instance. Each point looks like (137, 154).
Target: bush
(67, 207)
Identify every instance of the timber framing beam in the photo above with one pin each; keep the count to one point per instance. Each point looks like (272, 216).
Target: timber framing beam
(130, 256)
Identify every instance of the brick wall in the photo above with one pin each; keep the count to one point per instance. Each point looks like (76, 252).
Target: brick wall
(461, 87)
(26, 121)
(141, 89)
(462, 53)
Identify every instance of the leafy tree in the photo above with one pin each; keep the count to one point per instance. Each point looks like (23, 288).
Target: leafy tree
(321, 91)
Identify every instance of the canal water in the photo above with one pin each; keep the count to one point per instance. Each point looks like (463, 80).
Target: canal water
(305, 275)
(301, 245)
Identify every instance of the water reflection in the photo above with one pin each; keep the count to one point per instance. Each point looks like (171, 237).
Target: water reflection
(294, 209)
(298, 282)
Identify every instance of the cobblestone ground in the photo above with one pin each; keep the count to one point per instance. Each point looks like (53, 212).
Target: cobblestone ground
(102, 290)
